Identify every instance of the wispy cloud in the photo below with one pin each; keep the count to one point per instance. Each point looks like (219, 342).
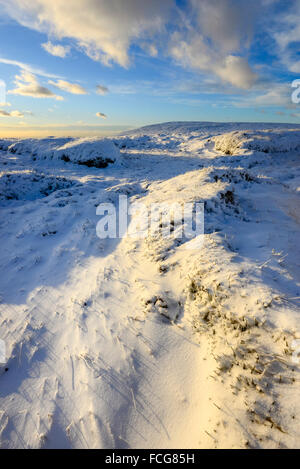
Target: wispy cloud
(286, 32)
(274, 95)
(216, 38)
(73, 88)
(56, 49)
(11, 114)
(101, 89)
(28, 68)
(28, 85)
(123, 89)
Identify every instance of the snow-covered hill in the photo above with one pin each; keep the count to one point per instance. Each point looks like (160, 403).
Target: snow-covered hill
(141, 342)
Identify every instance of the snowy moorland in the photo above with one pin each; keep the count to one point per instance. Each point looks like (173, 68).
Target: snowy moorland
(139, 342)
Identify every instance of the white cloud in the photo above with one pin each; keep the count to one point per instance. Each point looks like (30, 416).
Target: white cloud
(11, 114)
(294, 66)
(290, 26)
(277, 95)
(209, 36)
(103, 28)
(101, 89)
(195, 53)
(286, 32)
(227, 23)
(123, 89)
(16, 114)
(215, 39)
(28, 85)
(73, 88)
(27, 67)
(151, 49)
(100, 114)
(56, 49)
(235, 70)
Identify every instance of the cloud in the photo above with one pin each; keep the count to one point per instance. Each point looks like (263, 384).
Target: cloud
(216, 38)
(56, 49)
(290, 27)
(267, 95)
(104, 29)
(11, 114)
(211, 37)
(228, 24)
(27, 85)
(100, 114)
(235, 70)
(27, 67)
(73, 88)
(123, 89)
(286, 33)
(150, 48)
(195, 53)
(101, 89)
(16, 114)
(277, 95)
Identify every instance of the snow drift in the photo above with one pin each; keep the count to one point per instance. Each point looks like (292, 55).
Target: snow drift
(266, 141)
(90, 152)
(29, 185)
(97, 152)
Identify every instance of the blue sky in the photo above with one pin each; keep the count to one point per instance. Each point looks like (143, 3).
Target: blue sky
(212, 60)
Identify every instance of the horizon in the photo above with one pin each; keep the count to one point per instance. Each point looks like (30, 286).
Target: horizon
(63, 131)
(114, 67)
(45, 133)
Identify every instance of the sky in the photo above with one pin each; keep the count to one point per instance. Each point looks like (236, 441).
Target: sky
(89, 67)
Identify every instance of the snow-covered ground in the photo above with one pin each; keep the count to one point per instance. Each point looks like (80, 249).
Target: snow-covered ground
(141, 343)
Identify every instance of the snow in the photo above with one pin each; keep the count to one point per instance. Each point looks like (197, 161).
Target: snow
(29, 185)
(98, 152)
(263, 141)
(141, 342)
